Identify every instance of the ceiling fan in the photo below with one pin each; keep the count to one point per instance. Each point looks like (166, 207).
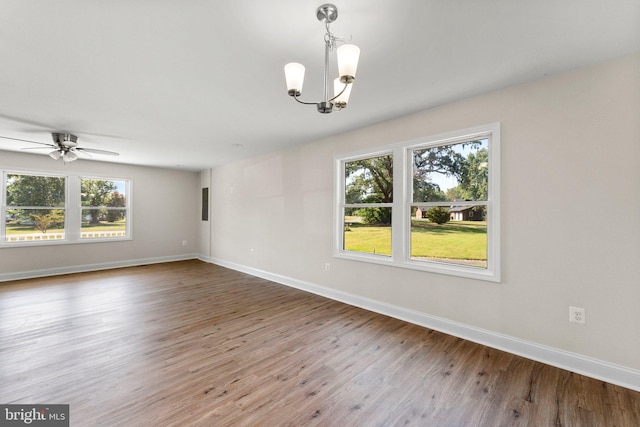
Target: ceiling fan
(65, 147)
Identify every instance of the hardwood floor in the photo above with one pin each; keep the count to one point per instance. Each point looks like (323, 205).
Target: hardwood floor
(190, 343)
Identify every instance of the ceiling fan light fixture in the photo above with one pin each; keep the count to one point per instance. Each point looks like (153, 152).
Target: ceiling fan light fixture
(348, 56)
(69, 156)
(55, 155)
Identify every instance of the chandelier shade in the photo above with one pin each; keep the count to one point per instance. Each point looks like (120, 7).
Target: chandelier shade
(294, 74)
(348, 56)
(347, 60)
(341, 93)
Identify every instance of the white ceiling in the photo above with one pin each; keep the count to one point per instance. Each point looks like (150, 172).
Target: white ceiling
(183, 83)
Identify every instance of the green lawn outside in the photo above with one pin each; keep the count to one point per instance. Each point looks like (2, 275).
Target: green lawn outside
(463, 242)
(369, 239)
(105, 226)
(458, 242)
(13, 228)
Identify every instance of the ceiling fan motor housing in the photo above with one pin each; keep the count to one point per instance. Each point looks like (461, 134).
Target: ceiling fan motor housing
(64, 139)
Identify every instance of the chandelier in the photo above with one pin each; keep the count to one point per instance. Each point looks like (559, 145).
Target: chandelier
(348, 55)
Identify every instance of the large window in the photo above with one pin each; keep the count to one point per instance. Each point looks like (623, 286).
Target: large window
(45, 209)
(445, 212)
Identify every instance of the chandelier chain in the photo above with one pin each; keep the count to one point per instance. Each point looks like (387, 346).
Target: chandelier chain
(331, 39)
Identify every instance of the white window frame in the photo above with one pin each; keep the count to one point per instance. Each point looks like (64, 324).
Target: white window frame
(73, 209)
(401, 206)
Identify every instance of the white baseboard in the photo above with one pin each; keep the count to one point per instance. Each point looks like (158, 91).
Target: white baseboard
(590, 367)
(4, 277)
(206, 259)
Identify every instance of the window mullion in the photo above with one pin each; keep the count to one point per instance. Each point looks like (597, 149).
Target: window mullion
(3, 211)
(398, 222)
(73, 208)
(339, 208)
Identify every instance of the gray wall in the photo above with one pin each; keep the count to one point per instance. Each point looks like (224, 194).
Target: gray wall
(165, 208)
(570, 215)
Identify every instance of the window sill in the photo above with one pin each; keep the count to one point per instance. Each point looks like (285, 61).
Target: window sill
(35, 243)
(426, 266)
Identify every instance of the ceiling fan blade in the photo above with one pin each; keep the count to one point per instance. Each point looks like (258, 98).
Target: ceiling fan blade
(49, 147)
(26, 140)
(96, 151)
(30, 123)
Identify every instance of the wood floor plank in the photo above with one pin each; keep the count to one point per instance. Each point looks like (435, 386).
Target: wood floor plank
(194, 344)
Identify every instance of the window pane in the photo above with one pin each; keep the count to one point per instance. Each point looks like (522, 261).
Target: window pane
(104, 212)
(363, 233)
(460, 238)
(101, 223)
(369, 180)
(451, 172)
(103, 193)
(33, 190)
(23, 225)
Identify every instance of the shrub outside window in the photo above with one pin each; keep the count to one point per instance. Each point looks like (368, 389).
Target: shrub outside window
(445, 210)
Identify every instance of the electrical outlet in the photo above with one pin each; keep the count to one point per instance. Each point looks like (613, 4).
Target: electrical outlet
(184, 243)
(576, 315)
(327, 266)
